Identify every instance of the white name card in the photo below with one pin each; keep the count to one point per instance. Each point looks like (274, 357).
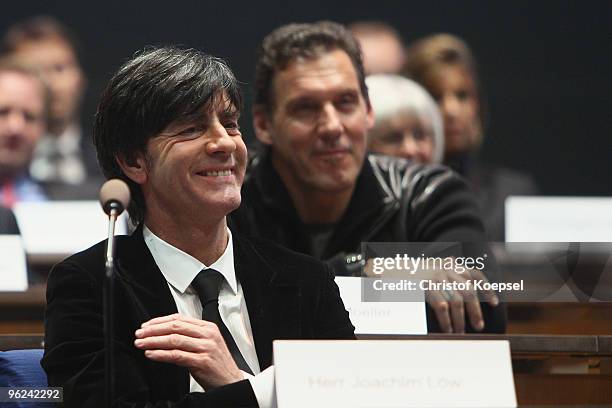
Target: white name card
(559, 219)
(13, 272)
(61, 228)
(393, 373)
(380, 317)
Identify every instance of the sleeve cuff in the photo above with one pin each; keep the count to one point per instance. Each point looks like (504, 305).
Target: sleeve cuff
(263, 387)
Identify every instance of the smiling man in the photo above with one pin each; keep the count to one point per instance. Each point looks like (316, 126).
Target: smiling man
(198, 305)
(314, 189)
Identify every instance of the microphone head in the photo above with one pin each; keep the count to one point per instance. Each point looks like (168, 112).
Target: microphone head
(114, 191)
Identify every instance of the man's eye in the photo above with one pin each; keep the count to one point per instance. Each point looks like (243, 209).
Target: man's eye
(188, 131)
(232, 127)
(30, 117)
(347, 102)
(305, 107)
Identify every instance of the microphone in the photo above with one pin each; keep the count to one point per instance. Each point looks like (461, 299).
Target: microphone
(114, 194)
(114, 198)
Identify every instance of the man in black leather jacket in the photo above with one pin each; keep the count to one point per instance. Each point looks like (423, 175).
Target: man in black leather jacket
(313, 187)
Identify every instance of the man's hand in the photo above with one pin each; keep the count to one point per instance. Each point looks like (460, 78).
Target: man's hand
(450, 306)
(191, 343)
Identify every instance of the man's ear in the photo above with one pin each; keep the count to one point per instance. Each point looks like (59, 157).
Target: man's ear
(261, 124)
(134, 168)
(371, 118)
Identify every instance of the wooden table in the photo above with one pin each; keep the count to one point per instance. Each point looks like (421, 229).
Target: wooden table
(560, 318)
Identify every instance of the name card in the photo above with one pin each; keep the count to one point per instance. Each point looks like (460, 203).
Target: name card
(60, 228)
(381, 317)
(13, 272)
(558, 219)
(393, 373)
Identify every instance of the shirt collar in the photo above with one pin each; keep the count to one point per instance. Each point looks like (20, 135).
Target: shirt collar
(179, 268)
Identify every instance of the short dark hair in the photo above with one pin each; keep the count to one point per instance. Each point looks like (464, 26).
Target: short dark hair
(289, 42)
(38, 28)
(148, 93)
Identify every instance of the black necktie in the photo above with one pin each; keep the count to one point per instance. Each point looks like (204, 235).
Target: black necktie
(207, 284)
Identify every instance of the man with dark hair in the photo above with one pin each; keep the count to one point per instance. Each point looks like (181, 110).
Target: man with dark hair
(198, 305)
(65, 156)
(316, 191)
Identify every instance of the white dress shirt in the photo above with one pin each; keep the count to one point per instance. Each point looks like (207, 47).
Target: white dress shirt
(179, 270)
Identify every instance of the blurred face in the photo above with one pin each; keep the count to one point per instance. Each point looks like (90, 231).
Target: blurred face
(455, 91)
(407, 135)
(195, 166)
(22, 121)
(382, 53)
(319, 123)
(58, 63)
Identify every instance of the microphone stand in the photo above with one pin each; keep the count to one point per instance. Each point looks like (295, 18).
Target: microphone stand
(114, 209)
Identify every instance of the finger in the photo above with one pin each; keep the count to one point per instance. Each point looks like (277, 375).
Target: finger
(175, 316)
(178, 357)
(475, 314)
(440, 306)
(162, 319)
(488, 295)
(457, 312)
(471, 304)
(200, 366)
(178, 326)
(174, 342)
(467, 295)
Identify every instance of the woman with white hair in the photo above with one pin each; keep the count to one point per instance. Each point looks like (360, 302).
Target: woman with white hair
(408, 122)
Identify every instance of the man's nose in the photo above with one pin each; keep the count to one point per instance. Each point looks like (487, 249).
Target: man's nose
(330, 122)
(220, 141)
(15, 121)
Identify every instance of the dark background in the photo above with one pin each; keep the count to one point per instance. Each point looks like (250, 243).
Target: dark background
(545, 65)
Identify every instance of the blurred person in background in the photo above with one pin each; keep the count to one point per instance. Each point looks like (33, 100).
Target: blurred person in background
(446, 67)
(381, 46)
(407, 120)
(24, 102)
(313, 188)
(64, 157)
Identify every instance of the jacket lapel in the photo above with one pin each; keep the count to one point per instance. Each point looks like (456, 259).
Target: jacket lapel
(148, 292)
(272, 299)
(136, 267)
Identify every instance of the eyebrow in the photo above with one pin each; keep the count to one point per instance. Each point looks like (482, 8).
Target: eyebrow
(313, 95)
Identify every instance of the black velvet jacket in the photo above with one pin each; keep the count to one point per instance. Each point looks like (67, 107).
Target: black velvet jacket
(288, 295)
(394, 201)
